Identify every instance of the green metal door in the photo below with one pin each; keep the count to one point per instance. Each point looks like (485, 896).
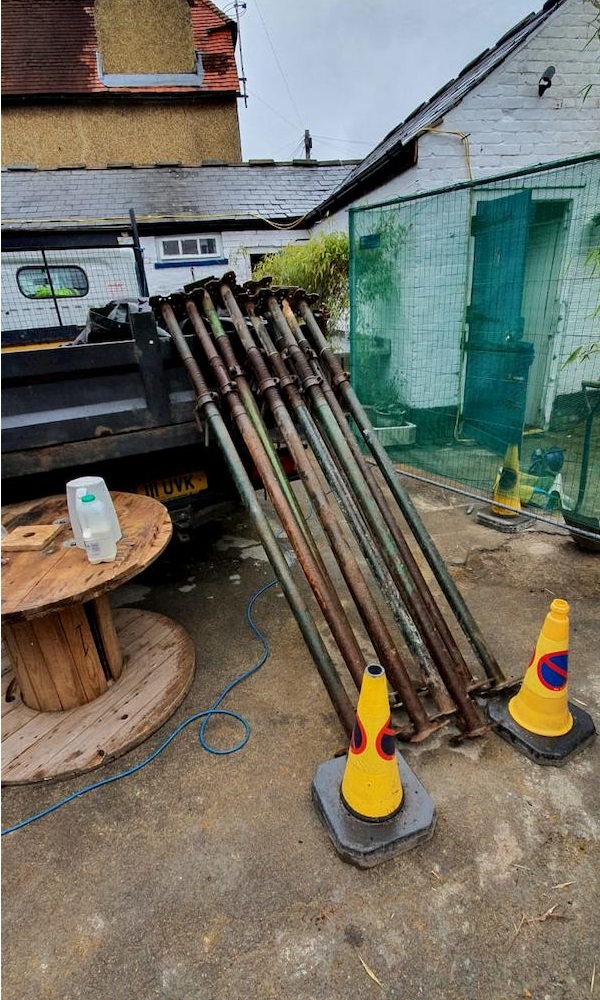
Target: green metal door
(497, 359)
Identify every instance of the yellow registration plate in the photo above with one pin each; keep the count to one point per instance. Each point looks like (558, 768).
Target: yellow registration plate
(184, 485)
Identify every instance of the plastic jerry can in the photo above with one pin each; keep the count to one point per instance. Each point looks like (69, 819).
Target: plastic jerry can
(97, 486)
(97, 529)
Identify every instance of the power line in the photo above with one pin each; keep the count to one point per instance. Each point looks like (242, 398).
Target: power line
(279, 66)
(353, 142)
(293, 125)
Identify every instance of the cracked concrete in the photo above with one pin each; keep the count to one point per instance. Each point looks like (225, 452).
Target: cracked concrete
(205, 877)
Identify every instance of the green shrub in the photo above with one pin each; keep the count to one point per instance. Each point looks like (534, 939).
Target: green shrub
(320, 265)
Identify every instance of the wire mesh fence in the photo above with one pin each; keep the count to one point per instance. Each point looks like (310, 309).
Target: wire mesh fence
(47, 294)
(475, 326)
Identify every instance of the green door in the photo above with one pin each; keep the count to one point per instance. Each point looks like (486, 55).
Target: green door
(497, 358)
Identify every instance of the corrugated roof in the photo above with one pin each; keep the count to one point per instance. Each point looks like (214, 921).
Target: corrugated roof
(49, 47)
(81, 198)
(430, 112)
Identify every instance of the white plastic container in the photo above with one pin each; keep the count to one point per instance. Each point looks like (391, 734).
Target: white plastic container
(97, 486)
(97, 528)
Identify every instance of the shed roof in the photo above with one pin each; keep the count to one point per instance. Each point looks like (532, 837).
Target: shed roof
(85, 198)
(368, 173)
(49, 49)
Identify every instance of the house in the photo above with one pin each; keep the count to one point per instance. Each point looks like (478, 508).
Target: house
(473, 226)
(98, 82)
(70, 229)
(500, 113)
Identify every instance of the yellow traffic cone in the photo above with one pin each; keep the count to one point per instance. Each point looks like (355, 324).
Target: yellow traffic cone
(541, 705)
(539, 720)
(371, 803)
(371, 787)
(506, 487)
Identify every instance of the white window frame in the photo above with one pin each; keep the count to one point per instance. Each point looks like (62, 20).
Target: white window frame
(162, 256)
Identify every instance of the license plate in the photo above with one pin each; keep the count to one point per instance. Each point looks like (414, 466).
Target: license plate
(174, 487)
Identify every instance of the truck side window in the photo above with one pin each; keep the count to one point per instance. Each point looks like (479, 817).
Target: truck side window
(39, 282)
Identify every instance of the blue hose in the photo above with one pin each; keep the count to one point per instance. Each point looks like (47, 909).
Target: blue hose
(206, 716)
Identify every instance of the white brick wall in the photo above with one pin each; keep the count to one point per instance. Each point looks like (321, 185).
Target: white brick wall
(509, 126)
(236, 245)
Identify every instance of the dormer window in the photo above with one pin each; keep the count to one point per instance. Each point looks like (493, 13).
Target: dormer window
(138, 80)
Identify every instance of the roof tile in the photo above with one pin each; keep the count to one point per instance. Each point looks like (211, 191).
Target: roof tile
(57, 199)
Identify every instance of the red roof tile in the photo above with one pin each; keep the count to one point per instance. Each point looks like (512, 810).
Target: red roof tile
(49, 47)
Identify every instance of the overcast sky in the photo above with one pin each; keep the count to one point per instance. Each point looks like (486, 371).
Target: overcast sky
(353, 69)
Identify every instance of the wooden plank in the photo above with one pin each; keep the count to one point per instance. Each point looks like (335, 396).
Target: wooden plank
(61, 660)
(101, 610)
(79, 642)
(36, 684)
(154, 681)
(32, 537)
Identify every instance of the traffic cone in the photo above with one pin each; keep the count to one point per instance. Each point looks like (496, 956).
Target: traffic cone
(506, 487)
(539, 720)
(371, 787)
(370, 802)
(541, 705)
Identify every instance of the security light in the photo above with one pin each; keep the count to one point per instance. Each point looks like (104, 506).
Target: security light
(546, 80)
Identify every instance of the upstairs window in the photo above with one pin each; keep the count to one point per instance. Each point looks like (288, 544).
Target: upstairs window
(41, 282)
(189, 247)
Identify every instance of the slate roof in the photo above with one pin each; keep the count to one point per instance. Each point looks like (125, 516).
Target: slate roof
(49, 47)
(85, 198)
(367, 174)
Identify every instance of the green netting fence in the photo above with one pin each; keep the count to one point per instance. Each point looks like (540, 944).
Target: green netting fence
(475, 325)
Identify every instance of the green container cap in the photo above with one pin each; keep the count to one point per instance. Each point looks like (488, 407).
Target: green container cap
(88, 498)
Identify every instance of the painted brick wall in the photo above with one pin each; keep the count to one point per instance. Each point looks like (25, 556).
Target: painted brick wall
(509, 127)
(236, 245)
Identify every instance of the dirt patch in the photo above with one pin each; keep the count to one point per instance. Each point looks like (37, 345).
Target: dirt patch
(530, 562)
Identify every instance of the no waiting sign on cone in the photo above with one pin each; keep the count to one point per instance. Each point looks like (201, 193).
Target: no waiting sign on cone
(539, 721)
(370, 802)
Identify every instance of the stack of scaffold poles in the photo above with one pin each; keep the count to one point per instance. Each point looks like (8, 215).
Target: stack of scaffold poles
(259, 360)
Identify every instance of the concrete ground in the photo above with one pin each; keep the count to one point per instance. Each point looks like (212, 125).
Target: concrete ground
(206, 877)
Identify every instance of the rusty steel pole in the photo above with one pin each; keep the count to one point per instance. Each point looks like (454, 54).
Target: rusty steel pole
(376, 628)
(423, 598)
(353, 515)
(451, 592)
(472, 718)
(306, 624)
(321, 585)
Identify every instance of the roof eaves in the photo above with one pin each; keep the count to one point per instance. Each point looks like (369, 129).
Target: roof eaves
(361, 178)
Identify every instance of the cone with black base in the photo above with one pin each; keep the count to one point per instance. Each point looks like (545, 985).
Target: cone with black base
(505, 512)
(539, 721)
(370, 802)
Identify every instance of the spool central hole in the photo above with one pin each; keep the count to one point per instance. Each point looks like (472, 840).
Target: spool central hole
(374, 670)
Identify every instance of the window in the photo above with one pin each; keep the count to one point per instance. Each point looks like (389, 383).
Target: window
(189, 247)
(41, 282)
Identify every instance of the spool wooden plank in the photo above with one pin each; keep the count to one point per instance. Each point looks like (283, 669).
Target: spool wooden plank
(80, 642)
(157, 674)
(35, 681)
(30, 537)
(101, 610)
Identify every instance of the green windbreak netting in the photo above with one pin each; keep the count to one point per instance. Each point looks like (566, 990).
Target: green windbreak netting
(475, 325)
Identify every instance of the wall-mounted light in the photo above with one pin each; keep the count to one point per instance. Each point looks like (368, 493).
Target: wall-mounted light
(546, 80)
